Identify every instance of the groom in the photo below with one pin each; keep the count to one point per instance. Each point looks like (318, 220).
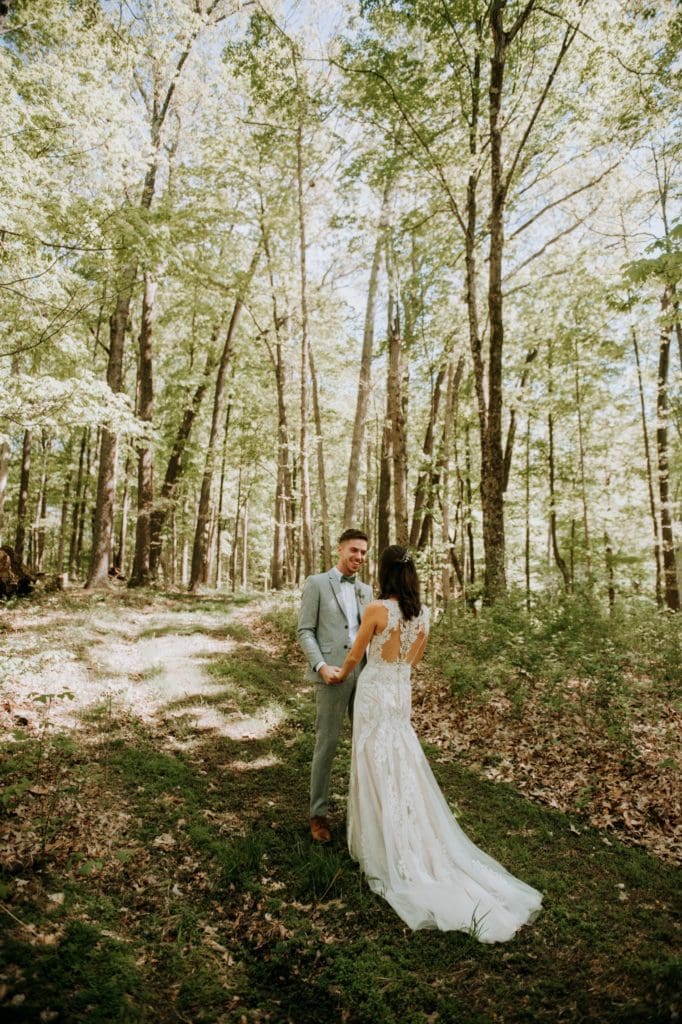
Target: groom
(331, 607)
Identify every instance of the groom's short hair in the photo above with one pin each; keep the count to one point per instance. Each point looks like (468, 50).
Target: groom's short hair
(353, 535)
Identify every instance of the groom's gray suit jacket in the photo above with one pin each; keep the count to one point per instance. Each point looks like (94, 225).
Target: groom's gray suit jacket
(322, 623)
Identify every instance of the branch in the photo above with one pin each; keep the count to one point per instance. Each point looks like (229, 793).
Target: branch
(185, 54)
(632, 71)
(520, 21)
(415, 131)
(541, 277)
(563, 199)
(448, 18)
(47, 333)
(60, 245)
(546, 246)
(569, 36)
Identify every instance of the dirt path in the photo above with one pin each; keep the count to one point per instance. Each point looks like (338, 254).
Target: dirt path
(152, 662)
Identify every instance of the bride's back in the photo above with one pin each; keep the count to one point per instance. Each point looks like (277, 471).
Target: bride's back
(402, 640)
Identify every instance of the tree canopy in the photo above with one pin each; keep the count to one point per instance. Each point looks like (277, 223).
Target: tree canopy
(269, 269)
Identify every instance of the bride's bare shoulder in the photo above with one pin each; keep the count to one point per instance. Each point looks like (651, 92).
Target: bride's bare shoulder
(375, 606)
(377, 612)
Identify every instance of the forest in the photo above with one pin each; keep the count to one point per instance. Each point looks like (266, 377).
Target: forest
(270, 269)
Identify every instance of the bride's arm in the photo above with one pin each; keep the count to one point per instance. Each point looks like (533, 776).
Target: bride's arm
(371, 623)
(418, 647)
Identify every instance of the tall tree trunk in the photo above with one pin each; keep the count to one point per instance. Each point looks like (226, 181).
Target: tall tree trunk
(610, 576)
(200, 548)
(608, 551)
(385, 487)
(221, 496)
(511, 430)
(492, 457)
(64, 519)
(280, 566)
(235, 532)
(106, 485)
(306, 512)
(184, 561)
(326, 547)
(76, 505)
(294, 561)
(22, 507)
(649, 470)
(368, 504)
(526, 524)
(469, 490)
(120, 555)
(4, 474)
(83, 516)
(78, 510)
(396, 410)
(174, 467)
(41, 507)
(442, 481)
(365, 378)
(245, 544)
(422, 494)
(171, 563)
(664, 182)
(582, 459)
(670, 580)
(490, 397)
(558, 558)
(145, 469)
(103, 528)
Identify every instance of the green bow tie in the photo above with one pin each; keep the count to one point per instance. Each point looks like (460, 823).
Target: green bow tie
(348, 579)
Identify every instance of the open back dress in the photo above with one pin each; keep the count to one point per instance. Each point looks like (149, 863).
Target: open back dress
(400, 828)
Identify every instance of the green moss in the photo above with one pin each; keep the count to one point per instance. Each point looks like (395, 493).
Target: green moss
(85, 977)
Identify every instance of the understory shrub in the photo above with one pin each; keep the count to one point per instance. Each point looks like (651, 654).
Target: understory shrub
(563, 637)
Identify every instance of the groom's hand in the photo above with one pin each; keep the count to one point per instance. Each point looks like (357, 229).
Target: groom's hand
(330, 674)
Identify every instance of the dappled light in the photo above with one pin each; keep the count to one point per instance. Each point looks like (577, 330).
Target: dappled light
(178, 819)
(292, 286)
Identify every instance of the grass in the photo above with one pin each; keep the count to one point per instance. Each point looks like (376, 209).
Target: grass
(180, 885)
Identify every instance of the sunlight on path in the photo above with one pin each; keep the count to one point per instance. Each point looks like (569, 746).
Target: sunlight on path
(152, 665)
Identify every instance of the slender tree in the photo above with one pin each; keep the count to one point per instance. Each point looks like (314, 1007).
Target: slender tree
(145, 470)
(365, 373)
(201, 534)
(22, 508)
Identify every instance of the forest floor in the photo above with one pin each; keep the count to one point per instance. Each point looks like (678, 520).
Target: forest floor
(156, 866)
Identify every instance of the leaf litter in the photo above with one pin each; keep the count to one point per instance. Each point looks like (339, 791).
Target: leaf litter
(555, 758)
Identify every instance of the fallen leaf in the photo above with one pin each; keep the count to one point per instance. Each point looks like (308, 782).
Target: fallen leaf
(164, 842)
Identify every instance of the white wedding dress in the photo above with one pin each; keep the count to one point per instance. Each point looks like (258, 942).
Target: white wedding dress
(400, 829)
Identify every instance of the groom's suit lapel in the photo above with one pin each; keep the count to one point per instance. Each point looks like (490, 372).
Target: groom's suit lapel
(335, 584)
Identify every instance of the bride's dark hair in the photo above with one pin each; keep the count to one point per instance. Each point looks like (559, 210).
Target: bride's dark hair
(398, 578)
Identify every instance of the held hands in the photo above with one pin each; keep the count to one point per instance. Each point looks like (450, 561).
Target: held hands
(331, 675)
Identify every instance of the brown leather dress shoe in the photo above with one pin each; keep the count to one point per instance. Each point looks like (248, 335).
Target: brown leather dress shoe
(320, 830)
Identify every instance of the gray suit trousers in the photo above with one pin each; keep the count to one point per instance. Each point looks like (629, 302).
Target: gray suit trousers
(331, 704)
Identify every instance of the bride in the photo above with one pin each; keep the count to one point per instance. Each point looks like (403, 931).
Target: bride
(400, 829)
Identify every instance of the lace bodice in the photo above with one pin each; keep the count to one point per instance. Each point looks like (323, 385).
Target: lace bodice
(400, 640)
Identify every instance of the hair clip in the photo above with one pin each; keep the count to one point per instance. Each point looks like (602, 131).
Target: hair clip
(406, 558)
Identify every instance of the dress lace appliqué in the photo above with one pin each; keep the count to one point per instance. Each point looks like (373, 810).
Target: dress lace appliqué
(400, 828)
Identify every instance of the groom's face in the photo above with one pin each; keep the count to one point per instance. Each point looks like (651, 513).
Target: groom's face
(352, 554)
